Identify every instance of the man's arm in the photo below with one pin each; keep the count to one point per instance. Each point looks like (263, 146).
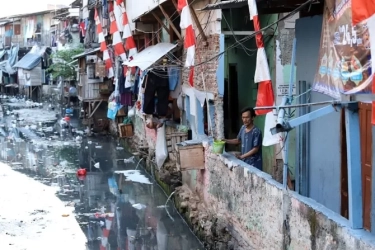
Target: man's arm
(250, 153)
(232, 141)
(236, 141)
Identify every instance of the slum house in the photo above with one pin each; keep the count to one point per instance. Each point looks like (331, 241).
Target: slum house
(156, 28)
(93, 88)
(93, 67)
(25, 31)
(312, 171)
(29, 29)
(66, 32)
(31, 71)
(8, 76)
(93, 85)
(337, 168)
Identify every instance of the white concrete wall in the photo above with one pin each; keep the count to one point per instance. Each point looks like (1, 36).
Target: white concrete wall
(134, 9)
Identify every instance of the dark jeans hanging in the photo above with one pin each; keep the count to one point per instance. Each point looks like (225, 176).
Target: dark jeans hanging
(157, 83)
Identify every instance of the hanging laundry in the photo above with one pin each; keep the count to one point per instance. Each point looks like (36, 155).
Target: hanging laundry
(82, 28)
(135, 88)
(121, 82)
(174, 77)
(156, 82)
(126, 98)
(105, 13)
(130, 77)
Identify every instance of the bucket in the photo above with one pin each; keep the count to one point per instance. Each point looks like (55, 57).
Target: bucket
(218, 147)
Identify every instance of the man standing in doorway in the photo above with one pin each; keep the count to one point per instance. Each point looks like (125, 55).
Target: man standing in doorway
(250, 138)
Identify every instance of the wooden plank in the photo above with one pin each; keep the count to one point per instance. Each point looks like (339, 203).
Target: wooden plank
(199, 26)
(160, 21)
(191, 157)
(170, 22)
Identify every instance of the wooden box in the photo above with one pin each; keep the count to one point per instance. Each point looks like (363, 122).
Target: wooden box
(190, 157)
(125, 130)
(100, 70)
(121, 112)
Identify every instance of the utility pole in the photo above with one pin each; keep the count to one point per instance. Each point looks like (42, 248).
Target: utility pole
(281, 119)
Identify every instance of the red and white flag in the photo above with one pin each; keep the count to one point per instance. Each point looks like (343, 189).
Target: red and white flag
(262, 76)
(187, 24)
(103, 45)
(364, 10)
(116, 37)
(130, 45)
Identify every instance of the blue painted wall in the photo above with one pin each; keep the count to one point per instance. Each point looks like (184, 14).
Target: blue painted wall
(324, 146)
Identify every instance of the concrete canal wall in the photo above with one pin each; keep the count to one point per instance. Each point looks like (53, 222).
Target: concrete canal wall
(259, 213)
(231, 206)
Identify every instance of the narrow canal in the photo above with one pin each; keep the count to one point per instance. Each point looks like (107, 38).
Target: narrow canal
(118, 205)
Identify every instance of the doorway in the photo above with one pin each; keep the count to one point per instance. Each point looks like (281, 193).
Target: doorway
(344, 208)
(231, 105)
(231, 97)
(366, 161)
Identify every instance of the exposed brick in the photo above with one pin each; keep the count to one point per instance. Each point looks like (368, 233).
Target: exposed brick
(204, 51)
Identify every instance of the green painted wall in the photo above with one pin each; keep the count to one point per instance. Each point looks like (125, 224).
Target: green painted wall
(245, 60)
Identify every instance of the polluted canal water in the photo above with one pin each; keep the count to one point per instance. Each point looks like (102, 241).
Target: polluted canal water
(117, 204)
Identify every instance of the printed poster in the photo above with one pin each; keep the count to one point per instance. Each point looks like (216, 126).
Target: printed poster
(344, 65)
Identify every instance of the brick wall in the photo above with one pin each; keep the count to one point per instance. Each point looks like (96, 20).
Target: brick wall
(203, 52)
(261, 215)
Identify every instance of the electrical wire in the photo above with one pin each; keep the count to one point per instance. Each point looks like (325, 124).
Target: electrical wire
(235, 44)
(290, 14)
(235, 38)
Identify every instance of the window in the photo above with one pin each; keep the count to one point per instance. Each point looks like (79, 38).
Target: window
(17, 29)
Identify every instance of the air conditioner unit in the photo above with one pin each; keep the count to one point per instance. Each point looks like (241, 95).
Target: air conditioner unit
(91, 59)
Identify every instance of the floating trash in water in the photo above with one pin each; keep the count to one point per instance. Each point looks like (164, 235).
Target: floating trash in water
(119, 148)
(139, 206)
(98, 147)
(134, 175)
(129, 160)
(162, 206)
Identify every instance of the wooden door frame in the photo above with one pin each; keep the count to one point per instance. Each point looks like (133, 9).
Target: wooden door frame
(364, 108)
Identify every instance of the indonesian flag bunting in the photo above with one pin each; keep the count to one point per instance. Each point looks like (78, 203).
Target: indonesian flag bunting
(103, 45)
(364, 10)
(116, 37)
(187, 24)
(118, 14)
(262, 76)
(189, 43)
(127, 32)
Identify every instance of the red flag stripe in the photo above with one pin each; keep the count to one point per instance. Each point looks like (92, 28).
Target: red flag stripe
(265, 96)
(116, 37)
(103, 45)
(189, 43)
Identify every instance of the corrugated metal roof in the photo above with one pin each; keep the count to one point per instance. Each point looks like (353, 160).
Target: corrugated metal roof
(88, 52)
(33, 58)
(225, 5)
(28, 62)
(147, 57)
